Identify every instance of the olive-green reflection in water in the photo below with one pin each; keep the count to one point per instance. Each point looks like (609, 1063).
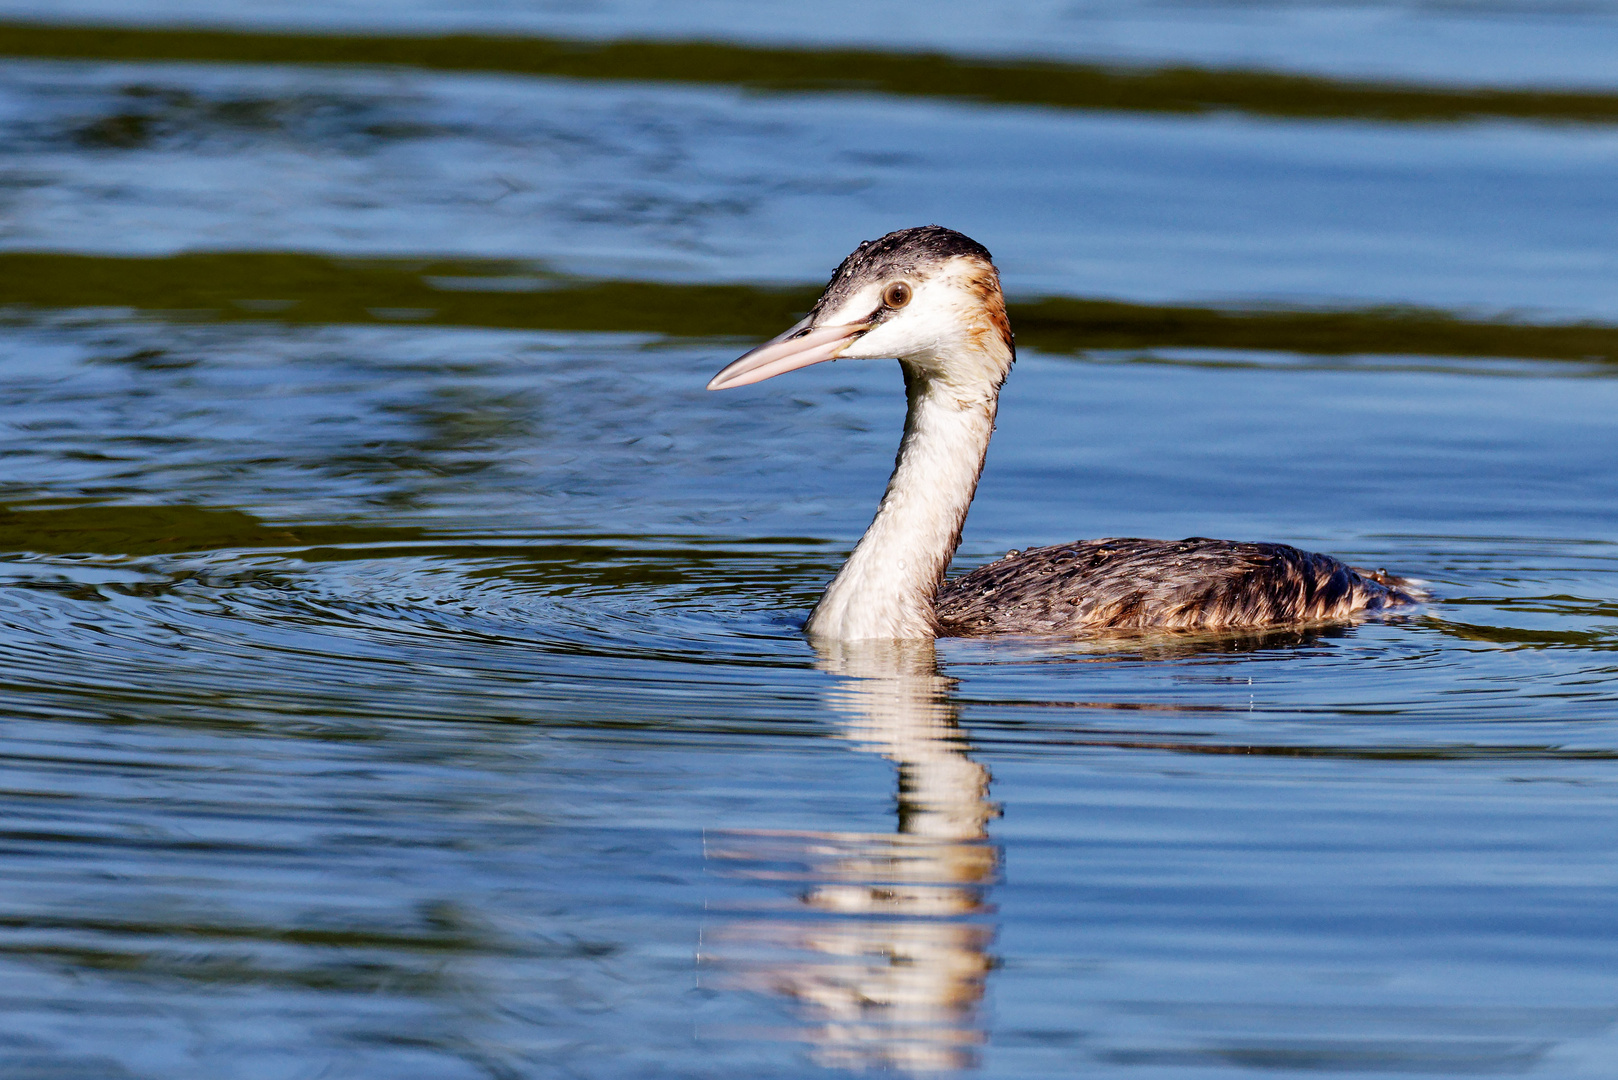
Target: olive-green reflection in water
(1178, 89)
(166, 530)
(887, 956)
(289, 287)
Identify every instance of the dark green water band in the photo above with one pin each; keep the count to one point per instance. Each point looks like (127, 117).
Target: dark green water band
(315, 289)
(1180, 89)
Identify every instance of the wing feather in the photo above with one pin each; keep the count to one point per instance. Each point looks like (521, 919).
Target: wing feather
(1133, 584)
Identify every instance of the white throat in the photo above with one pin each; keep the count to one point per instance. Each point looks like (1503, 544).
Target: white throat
(886, 589)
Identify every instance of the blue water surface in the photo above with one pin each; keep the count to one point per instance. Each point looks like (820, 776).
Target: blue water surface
(395, 699)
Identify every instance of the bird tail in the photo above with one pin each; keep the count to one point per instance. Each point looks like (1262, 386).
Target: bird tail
(1398, 591)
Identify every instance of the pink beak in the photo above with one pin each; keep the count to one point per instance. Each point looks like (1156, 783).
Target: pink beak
(799, 347)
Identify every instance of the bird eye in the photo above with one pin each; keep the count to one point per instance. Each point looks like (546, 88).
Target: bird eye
(896, 295)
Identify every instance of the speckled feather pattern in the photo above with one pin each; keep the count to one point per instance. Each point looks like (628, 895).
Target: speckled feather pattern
(1132, 584)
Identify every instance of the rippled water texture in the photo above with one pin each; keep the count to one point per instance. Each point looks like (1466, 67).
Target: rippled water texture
(400, 651)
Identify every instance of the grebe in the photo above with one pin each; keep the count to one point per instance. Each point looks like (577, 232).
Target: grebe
(931, 297)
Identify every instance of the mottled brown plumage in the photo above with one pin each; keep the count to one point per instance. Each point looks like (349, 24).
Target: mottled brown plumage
(1132, 584)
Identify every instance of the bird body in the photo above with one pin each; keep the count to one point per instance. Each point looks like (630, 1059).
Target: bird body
(1134, 584)
(931, 298)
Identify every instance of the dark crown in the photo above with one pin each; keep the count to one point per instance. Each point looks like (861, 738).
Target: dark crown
(903, 253)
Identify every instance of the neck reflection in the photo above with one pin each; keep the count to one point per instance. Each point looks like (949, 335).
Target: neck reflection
(884, 951)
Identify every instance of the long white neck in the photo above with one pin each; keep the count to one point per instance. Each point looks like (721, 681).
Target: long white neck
(887, 587)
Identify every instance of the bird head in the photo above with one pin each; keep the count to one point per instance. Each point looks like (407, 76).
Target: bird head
(929, 297)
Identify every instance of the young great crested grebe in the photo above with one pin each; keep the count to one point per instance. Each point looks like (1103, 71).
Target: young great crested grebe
(931, 297)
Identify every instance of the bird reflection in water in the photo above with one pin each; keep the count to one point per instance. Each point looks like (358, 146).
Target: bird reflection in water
(884, 953)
